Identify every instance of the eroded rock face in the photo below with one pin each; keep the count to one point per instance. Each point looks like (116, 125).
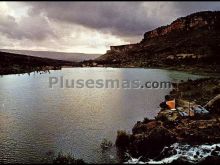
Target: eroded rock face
(209, 20)
(122, 48)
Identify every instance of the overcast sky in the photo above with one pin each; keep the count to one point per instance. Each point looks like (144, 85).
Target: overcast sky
(88, 27)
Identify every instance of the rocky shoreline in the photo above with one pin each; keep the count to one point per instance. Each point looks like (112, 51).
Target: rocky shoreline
(150, 137)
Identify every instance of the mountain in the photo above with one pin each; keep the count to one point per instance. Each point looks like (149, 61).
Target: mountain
(16, 63)
(191, 40)
(76, 57)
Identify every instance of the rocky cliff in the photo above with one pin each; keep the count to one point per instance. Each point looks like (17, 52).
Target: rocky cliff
(194, 39)
(205, 20)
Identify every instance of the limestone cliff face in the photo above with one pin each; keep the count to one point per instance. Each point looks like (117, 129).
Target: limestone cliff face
(196, 36)
(208, 20)
(122, 48)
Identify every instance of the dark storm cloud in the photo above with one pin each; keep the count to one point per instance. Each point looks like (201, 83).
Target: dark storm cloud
(126, 20)
(120, 18)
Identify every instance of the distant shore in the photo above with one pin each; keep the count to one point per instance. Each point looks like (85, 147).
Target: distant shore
(201, 69)
(15, 69)
(20, 64)
(11, 63)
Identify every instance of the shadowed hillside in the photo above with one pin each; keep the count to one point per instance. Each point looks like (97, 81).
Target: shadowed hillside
(16, 63)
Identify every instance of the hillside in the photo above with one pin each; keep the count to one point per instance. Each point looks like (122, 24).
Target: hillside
(15, 63)
(191, 41)
(73, 57)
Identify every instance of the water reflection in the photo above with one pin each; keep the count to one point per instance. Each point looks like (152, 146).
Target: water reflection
(35, 119)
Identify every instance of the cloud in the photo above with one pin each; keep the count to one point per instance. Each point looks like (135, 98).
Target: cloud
(68, 38)
(87, 26)
(119, 18)
(186, 8)
(33, 28)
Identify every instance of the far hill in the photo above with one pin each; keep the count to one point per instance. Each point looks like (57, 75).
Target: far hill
(16, 63)
(76, 57)
(191, 41)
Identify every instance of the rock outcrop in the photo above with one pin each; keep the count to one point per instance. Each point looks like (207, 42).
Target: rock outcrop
(150, 136)
(122, 48)
(191, 40)
(205, 20)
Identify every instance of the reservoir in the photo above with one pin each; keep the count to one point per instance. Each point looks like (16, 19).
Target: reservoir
(36, 120)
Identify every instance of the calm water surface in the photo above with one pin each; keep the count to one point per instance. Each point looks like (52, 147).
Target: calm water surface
(35, 119)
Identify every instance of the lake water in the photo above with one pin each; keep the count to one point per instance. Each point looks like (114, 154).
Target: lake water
(36, 119)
